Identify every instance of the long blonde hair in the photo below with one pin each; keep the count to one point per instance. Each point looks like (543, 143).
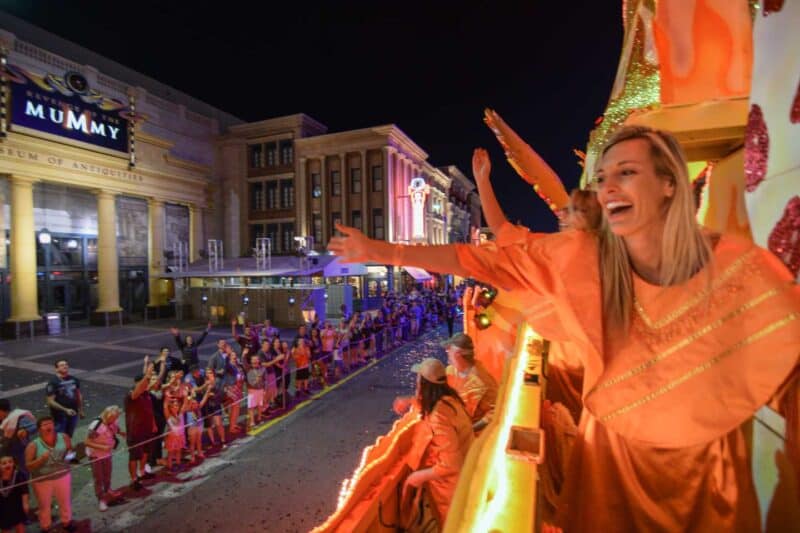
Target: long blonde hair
(685, 249)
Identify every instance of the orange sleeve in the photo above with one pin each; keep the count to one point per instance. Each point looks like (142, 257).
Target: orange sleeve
(509, 234)
(522, 264)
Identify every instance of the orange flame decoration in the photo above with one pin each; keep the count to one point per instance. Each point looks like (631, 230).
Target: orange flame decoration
(351, 489)
(528, 164)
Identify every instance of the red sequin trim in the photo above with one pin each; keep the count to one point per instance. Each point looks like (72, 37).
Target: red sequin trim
(784, 240)
(756, 145)
(772, 6)
(794, 114)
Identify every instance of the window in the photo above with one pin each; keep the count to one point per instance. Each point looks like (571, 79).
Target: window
(377, 224)
(287, 234)
(317, 223)
(287, 194)
(316, 185)
(336, 218)
(287, 152)
(256, 232)
(272, 194)
(272, 154)
(256, 155)
(355, 219)
(257, 198)
(377, 178)
(355, 180)
(336, 183)
(272, 233)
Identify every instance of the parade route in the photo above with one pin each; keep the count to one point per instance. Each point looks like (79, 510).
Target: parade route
(290, 468)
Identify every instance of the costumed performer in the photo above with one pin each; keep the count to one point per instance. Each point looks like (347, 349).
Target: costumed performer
(684, 335)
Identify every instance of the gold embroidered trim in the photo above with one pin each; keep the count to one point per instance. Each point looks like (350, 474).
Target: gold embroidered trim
(686, 341)
(701, 368)
(717, 283)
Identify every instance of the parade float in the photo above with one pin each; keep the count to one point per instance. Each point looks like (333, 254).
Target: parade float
(724, 76)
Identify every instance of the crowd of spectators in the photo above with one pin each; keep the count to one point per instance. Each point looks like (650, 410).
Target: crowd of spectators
(178, 409)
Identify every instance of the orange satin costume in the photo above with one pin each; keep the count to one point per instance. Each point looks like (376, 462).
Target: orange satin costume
(478, 391)
(442, 443)
(564, 367)
(659, 445)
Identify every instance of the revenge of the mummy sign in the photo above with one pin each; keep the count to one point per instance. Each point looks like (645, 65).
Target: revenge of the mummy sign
(66, 106)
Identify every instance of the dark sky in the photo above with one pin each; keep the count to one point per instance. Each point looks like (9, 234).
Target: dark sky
(430, 67)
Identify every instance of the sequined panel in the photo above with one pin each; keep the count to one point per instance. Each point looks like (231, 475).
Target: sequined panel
(756, 144)
(784, 239)
(772, 6)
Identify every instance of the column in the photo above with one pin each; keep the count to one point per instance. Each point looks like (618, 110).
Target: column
(388, 194)
(24, 294)
(155, 245)
(107, 264)
(366, 187)
(324, 214)
(399, 195)
(196, 232)
(345, 190)
(302, 199)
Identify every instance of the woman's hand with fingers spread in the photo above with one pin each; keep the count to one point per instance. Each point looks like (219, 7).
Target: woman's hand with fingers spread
(481, 165)
(352, 246)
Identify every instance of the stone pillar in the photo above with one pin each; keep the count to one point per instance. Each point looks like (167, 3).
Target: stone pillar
(197, 232)
(3, 219)
(388, 194)
(155, 245)
(24, 293)
(324, 211)
(398, 197)
(107, 262)
(345, 190)
(366, 188)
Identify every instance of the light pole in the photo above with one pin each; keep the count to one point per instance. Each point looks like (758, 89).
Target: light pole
(45, 238)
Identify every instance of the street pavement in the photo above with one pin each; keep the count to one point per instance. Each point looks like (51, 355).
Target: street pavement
(284, 478)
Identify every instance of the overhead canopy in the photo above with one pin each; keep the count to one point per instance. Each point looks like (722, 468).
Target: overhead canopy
(418, 273)
(339, 268)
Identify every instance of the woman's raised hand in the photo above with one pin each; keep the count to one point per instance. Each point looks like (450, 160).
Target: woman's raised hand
(352, 246)
(481, 165)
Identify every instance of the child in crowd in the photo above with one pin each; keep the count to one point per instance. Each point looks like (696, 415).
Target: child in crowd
(14, 505)
(194, 424)
(175, 439)
(100, 443)
(301, 354)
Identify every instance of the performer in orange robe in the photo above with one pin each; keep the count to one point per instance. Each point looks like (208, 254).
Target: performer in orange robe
(677, 353)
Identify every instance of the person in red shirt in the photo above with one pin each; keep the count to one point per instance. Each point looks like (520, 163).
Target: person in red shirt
(301, 354)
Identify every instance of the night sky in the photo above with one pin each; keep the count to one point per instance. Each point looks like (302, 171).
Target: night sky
(429, 67)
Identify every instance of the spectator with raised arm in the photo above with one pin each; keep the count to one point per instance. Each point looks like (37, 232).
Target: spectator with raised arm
(188, 347)
(249, 339)
(140, 423)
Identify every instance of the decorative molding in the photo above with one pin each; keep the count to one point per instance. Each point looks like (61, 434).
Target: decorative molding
(187, 165)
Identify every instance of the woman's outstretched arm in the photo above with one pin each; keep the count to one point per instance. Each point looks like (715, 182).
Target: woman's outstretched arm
(481, 168)
(354, 246)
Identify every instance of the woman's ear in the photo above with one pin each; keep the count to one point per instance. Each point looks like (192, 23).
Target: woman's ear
(669, 188)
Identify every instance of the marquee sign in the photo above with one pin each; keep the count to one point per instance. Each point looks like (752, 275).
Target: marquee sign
(67, 107)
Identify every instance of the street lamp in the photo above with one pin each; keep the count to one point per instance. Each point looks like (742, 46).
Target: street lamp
(44, 236)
